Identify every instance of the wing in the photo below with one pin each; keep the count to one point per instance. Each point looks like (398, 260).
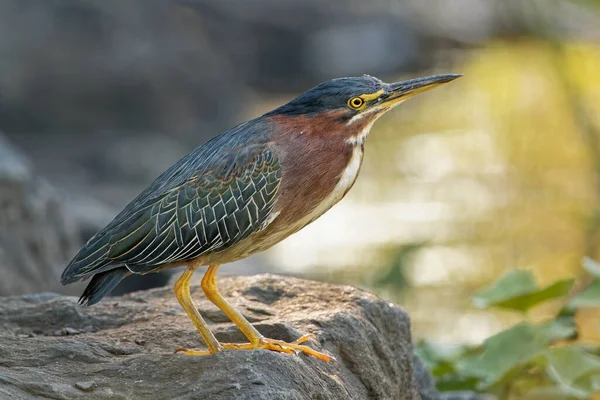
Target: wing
(214, 208)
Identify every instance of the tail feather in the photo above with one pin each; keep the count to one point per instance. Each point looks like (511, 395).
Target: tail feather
(102, 284)
(91, 259)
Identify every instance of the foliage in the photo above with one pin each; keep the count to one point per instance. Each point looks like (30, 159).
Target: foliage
(517, 290)
(529, 360)
(394, 274)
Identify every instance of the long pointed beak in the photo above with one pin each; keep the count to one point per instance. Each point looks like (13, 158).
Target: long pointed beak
(401, 91)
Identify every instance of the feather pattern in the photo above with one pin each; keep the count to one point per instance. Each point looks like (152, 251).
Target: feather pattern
(210, 200)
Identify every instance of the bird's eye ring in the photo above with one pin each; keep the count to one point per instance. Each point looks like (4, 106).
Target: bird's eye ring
(356, 102)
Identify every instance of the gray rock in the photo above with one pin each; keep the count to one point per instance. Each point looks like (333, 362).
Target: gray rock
(42, 227)
(424, 381)
(36, 235)
(124, 346)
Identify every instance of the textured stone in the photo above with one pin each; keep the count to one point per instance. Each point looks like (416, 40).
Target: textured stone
(124, 346)
(36, 235)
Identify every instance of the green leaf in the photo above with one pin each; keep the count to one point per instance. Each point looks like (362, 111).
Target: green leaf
(590, 297)
(515, 283)
(591, 266)
(517, 290)
(559, 329)
(440, 358)
(574, 370)
(524, 303)
(510, 349)
(456, 383)
(513, 348)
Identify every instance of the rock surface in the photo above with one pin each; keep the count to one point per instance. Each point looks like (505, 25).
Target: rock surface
(36, 235)
(122, 348)
(42, 227)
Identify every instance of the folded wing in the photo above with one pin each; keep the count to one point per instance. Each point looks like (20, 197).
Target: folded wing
(217, 205)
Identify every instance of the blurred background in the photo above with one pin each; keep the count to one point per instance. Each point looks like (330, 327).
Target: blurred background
(496, 171)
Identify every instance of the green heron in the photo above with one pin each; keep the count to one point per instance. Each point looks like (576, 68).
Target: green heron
(240, 193)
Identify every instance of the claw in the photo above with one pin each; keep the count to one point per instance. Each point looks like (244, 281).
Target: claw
(304, 338)
(189, 352)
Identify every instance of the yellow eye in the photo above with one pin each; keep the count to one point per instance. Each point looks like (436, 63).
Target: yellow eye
(356, 102)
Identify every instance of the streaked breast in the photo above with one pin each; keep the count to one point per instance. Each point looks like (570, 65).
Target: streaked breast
(346, 181)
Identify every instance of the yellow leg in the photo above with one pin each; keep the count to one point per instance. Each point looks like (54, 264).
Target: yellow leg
(257, 341)
(182, 291)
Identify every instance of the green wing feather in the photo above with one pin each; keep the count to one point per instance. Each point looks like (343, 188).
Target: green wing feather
(213, 208)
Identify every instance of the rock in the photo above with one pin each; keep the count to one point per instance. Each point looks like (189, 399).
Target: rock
(424, 381)
(86, 386)
(42, 227)
(143, 57)
(36, 235)
(124, 346)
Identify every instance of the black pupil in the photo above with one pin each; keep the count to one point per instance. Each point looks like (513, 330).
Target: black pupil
(356, 102)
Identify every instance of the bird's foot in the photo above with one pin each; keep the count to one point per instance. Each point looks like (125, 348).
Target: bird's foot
(267, 344)
(281, 347)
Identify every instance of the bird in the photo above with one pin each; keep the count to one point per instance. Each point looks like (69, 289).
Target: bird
(241, 193)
